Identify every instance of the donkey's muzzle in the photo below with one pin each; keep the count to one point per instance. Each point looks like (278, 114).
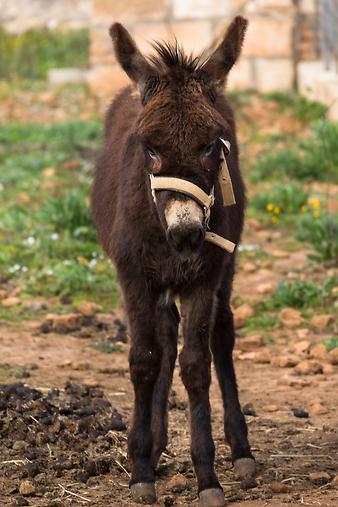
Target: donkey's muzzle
(185, 239)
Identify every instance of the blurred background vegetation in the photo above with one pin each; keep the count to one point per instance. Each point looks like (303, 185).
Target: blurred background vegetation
(48, 145)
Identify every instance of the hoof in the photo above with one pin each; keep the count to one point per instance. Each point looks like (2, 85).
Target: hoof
(212, 497)
(245, 468)
(143, 492)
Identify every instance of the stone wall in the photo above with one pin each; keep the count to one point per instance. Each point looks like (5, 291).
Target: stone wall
(21, 15)
(267, 60)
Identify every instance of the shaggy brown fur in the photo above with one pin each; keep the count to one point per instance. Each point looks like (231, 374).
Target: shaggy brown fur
(171, 126)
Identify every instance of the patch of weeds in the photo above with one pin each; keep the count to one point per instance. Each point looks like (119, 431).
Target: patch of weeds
(280, 200)
(29, 55)
(301, 294)
(320, 228)
(48, 242)
(330, 343)
(108, 348)
(305, 110)
(261, 321)
(312, 158)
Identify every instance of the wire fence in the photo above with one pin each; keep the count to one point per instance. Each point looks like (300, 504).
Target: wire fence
(328, 37)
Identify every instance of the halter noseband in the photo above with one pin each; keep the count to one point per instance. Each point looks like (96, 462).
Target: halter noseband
(202, 198)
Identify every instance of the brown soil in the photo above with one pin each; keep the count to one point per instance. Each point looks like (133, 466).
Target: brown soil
(74, 437)
(66, 437)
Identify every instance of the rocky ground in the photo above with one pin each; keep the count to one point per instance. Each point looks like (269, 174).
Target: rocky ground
(65, 394)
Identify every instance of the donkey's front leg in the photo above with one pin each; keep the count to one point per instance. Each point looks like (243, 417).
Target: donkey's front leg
(144, 362)
(195, 361)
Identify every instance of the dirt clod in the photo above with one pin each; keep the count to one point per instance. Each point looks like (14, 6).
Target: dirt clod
(27, 488)
(279, 487)
(319, 478)
(299, 412)
(308, 366)
(177, 483)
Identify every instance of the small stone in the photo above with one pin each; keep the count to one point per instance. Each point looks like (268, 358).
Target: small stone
(322, 321)
(290, 317)
(333, 356)
(88, 308)
(81, 366)
(248, 409)
(177, 483)
(248, 483)
(287, 380)
(249, 267)
(27, 488)
(279, 487)
(335, 481)
(299, 412)
(318, 409)
(302, 333)
(251, 342)
(11, 301)
(270, 408)
(241, 314)
(262, 357)
(319, 478)
(21, 501)
(285, 361)
(265, 288)
(247, 356)
(308, 366)
(48, 172)
(301, 347)
(328, 369)
(63, 323)
(319, 352)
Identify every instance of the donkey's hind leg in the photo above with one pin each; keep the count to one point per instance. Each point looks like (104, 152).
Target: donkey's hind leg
(168, 320)
(222, 343)
(144, 361)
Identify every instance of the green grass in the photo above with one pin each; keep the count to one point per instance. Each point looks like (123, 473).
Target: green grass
(280, 201)
(300, 107)
(29, 55)
(314, 157)
(302, 294)
(331, 343)
(322, 233)
(48, 243)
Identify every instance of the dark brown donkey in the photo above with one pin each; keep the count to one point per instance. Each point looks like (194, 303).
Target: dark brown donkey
(174, 121)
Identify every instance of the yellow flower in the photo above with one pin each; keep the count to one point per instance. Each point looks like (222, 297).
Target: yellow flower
(316, 213)
(82, 260)
(314, 202)
(303, 209)
(269, 207)
(274, 219)
(277, 210)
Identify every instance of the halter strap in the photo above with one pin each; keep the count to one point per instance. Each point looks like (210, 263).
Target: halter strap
(206, 201)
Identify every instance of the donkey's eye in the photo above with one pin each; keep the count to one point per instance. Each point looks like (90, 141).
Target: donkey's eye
(209, 149)
(152, 154)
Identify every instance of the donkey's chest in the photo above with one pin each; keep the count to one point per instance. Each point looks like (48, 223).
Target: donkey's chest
(173, 271)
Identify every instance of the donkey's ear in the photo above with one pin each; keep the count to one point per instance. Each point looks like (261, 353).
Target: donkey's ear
(128, 55)
(226, 54)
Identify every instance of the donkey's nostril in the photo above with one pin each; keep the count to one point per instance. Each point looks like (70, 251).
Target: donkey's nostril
(183, 238)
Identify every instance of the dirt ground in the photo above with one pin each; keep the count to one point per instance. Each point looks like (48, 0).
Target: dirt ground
(65, 406)
(68, 446)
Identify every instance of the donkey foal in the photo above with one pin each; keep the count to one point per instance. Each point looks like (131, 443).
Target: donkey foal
(156, 193)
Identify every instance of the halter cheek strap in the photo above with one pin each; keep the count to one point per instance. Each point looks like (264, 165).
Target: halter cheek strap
(202, 198)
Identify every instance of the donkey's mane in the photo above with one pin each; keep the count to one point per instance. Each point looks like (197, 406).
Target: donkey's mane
(170, 56)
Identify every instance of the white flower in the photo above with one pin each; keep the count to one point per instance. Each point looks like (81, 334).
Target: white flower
(92, 263)
(66, 262)
(14, 268)
(54, 236)
(30, 240)
(49, 272)
(24, 269)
